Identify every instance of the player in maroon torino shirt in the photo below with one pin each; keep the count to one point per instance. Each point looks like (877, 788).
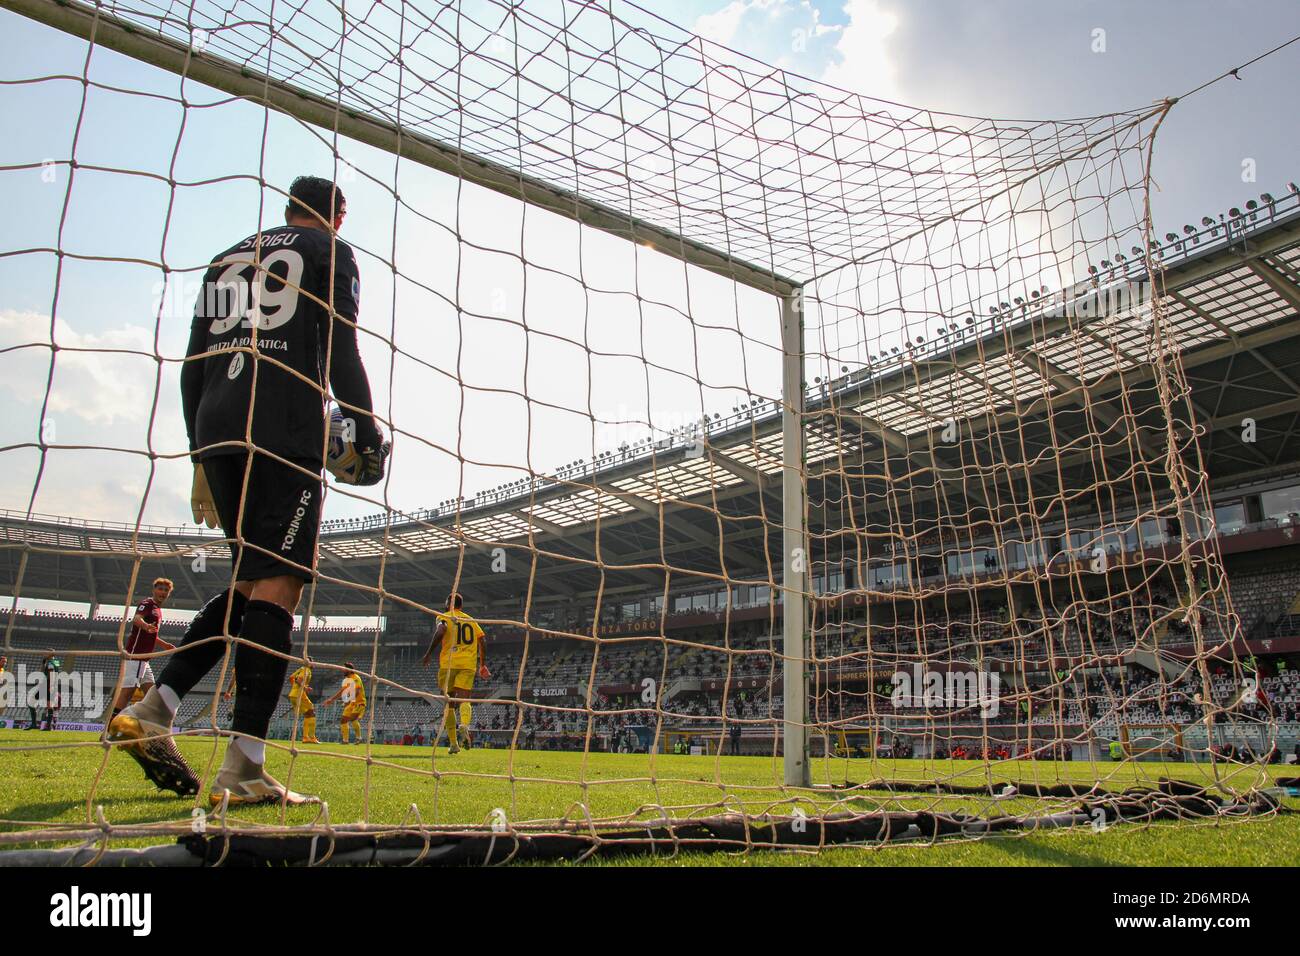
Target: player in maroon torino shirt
(143, 639)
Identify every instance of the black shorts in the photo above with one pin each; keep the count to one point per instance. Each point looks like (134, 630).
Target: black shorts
(281, 514)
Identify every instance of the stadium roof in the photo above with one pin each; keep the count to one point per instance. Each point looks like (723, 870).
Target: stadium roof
(711, 510)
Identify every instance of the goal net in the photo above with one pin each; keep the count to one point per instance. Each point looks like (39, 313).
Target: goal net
(1152, 741)
(820, 469)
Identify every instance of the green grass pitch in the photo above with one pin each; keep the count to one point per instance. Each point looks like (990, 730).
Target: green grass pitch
(53, 784)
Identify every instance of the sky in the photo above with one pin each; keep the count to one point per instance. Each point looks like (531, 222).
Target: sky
(470, 300)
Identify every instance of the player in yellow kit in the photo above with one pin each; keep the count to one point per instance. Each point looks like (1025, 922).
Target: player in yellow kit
(299, 691)
(459, 641)
(353, 693)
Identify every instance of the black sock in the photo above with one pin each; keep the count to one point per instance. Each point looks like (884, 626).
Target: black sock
(191, 664)
(259, 676)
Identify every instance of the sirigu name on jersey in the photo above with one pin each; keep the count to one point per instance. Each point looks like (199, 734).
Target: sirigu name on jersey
(270, 241)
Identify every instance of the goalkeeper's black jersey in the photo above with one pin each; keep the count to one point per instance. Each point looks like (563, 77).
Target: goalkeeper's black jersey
(274, 297)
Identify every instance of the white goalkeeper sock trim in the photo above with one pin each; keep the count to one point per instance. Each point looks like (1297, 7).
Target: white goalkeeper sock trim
(169, 698)
(254, 750)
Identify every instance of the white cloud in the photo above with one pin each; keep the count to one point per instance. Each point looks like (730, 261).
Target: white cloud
(103, 396)
(790, 33)
(787, 33)
(865, 64)
(103, 385)
(722, 26)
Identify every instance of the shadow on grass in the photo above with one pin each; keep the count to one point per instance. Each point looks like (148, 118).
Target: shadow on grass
(1043, 851)
(147, 807)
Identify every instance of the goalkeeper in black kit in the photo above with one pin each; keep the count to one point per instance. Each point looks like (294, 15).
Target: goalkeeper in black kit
(274, 324)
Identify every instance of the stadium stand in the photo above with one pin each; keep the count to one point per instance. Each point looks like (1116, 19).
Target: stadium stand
(692, 658)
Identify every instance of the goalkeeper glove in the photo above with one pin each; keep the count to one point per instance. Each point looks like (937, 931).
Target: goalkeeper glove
(201, 502)
(358, 459)
(372, 464)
